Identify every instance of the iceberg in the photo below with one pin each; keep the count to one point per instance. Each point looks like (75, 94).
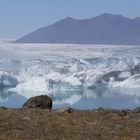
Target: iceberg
(7, 80)
(100, 78)
(65, 70)
(36, 83)
(72, 81)
(131, 82)
(45, 84)
(93, 77)
(81, 76)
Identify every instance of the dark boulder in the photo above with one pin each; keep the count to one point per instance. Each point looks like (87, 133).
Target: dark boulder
(42, 101)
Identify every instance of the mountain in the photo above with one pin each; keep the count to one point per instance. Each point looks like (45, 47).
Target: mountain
(102, 29)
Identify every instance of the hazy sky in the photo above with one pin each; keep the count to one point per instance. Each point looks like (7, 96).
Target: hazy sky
(18, 17)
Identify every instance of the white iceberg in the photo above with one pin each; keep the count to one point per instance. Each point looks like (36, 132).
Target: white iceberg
(44, 84)
(72, 81)
(131, 82)
(36, 83)
(81, 76)
(7, 80)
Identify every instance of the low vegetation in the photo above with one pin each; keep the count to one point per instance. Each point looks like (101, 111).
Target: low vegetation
(69, 124)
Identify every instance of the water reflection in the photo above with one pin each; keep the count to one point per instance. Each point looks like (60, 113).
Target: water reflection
(83, 99)
(109, 98)
(100, 97)
(10, 99)
(5, 94)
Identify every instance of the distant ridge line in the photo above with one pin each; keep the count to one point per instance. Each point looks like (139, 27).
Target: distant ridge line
(102, 29)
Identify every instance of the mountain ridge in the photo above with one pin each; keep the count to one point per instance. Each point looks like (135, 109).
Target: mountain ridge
(102, 29)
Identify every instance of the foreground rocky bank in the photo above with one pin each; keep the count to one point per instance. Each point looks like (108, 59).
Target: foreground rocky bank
(69, 124)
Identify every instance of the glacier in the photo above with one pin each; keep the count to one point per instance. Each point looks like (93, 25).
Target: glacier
(69, 72)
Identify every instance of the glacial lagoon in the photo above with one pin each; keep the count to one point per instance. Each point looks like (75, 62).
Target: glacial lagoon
(79, 76)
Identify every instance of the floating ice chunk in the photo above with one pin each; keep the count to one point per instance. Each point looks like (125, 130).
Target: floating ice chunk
(7, 80)
(33, 87)
(80, 76)
(72, 80)
(131, 82)
(125, 74)
(76, 65)
(42, 84)
(55, 76)
(36, 83)
(93, 77)
(56, 81)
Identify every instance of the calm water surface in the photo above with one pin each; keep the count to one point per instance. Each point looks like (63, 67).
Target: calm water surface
(81, 99)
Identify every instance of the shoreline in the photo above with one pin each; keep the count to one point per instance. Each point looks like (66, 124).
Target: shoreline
(69, 123)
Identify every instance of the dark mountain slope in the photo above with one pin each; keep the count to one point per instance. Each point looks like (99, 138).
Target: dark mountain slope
(103, 29)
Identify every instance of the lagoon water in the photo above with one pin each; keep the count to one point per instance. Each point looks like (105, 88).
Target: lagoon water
(79, 76)
(88, 99)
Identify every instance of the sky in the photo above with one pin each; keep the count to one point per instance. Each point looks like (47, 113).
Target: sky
(19, 17)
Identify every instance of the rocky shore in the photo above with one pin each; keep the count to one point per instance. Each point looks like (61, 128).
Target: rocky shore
(39, 123)
(69, 124)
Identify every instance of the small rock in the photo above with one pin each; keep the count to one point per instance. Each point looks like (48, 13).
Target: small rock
(42, 101)
(101, 127)
(119, 126)
(27, 118)
(65, 110)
